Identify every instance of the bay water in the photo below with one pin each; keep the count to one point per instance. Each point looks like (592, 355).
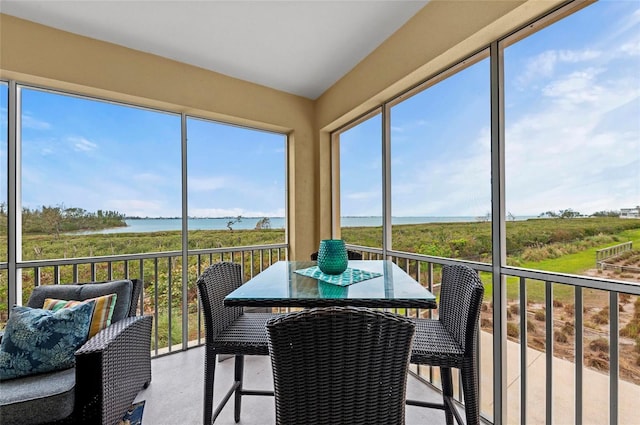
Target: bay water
(141, 225)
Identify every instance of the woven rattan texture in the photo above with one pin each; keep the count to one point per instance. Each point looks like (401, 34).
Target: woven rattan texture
(451, 340)
(228, 329)
(340, 365)
(111, 368)
(123, 351)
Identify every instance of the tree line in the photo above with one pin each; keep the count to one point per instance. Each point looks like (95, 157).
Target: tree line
(54, 220)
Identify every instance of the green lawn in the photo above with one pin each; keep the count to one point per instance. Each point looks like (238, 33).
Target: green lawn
(576, 263)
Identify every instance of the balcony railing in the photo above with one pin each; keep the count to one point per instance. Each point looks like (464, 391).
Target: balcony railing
(569, 370)
(575, 367)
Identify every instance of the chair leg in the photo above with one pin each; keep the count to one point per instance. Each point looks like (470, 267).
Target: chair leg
(239, 374)
(470, 388)
(447, 393)
(209, 375)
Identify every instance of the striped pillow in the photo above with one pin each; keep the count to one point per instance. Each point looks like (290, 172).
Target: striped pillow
(101, 314)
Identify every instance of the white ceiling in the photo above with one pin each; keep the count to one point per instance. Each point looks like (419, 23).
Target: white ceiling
(300, 47)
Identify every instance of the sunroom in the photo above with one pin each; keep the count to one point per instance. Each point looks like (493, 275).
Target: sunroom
(499, 135)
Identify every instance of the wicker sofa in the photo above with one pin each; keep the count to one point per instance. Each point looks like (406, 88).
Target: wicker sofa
(111, 367)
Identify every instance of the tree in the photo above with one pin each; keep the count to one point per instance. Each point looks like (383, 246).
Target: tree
(232, 222)
(264, 223)
(485, 218)
(569, 213)
(52, 220)
(611, 213)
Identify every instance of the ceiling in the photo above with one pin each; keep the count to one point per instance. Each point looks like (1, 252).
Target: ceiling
(300, 47)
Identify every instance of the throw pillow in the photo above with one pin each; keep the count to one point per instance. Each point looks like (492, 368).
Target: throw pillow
(102, 312)
(38, 340)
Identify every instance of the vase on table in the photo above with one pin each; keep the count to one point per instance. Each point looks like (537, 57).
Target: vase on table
(332, 256)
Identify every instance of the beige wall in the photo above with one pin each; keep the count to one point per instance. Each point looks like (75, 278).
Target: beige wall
(36, 54)
(439, 35)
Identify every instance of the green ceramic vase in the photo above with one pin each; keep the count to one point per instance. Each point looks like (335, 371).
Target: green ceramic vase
(332, 256)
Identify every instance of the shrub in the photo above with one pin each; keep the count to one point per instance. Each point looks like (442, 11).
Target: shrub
(538, 343)
(539, 315)
(513, 330)
(598, 363)
(557, 303)
(601, 317)
(590, 325)
(631, 329)
(531, 327)
(570, 309)
(486, 323)
(568, 328)
(509, 315)
(514, 308)
(599, 345)
(561, 337)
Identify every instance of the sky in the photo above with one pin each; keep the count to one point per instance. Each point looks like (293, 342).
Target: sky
(572, 130)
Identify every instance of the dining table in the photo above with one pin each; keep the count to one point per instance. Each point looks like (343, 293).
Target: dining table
(365, 283)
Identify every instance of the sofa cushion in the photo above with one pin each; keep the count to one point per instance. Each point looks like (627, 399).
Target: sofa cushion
(37, 399)
(38, 340)
(102, 312)
(83, 291)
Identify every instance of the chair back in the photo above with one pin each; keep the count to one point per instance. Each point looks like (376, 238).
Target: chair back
(460, 299)
(340, 365)
(218, 280)
(127, 301)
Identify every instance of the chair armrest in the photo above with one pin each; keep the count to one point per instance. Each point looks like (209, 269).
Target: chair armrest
(111, 368)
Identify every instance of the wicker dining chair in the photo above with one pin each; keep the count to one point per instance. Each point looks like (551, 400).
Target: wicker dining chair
(451, 341)
(340, 365)
(228, 331)
(351, 255)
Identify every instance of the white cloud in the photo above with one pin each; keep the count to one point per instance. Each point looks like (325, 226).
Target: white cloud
(235, 212)
(575, 152)
(205, 184)
(30, 122)
(140, 208)
(359, 196)
(146, 178)
(577, 87)
(544, 64)
(80, 144)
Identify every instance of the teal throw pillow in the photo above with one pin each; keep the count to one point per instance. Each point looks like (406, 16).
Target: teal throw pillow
(37, 340)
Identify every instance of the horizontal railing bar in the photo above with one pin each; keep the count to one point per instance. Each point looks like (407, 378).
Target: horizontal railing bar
(574, 280)
(143, 256)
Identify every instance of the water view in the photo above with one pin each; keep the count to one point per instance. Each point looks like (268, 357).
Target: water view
(142, 225)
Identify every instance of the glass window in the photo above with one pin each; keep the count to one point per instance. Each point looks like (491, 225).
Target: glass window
(236, 185)
(572, 164)
(4, 121)
(4, 134)
(572, 102)
(361, 183)
(441, 168)
(89, 169)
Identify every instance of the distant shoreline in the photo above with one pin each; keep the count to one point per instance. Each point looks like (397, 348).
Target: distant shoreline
(161, 224)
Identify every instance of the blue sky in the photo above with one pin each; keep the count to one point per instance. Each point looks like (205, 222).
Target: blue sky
(572, 94)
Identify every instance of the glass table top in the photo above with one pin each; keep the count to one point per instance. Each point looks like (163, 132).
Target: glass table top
(280, 286)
